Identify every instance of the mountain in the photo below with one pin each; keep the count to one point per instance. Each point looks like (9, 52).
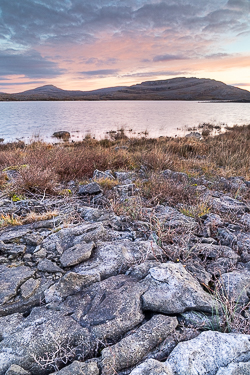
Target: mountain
(180, 88)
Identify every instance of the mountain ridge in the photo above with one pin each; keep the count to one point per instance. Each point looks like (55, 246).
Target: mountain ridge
(179, 88)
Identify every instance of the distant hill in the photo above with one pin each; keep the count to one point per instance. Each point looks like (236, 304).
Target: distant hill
(170, 89)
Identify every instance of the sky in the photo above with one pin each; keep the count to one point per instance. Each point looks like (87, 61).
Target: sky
(85, 45)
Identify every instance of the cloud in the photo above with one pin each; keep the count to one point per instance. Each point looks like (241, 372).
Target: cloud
(217, 55)
(29, 64)
(240, 84)
(168, 57)
(21, 83)
(97, 61)
(100, 72)
(155, 74)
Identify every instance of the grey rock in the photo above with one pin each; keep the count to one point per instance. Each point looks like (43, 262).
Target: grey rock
(215, 251)
(173, 290)
(236, 285)
(226, 237)
(245, 219)
(108, 309)
(16, 370)
(11, 279)
(12, 249)
(77, 254)
(40, 333)
(195, 135)
(69, 284)
(62, 135)
(46, 265)
(79, 368)
(209, 352)
(201, 321)
(243, 242)
(92, 188)
(213, 220)
(29, 287)
(170, 218)
(111, 258)
(125, 190)
(97, 175)
(11, 235)
(32, 239)
(20, 304)
(134, 347)
(199, 273)
(152, 367)
(235, 369)
(122, 176)
(226, 204)
(40, 253)
(219, 259)
(68, 237)
(9, 323)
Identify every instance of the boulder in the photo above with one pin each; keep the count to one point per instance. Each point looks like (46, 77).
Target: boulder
(108, 309)
(170, 218)
(208, 353)
(111, 258)
(240, 368)
(98, 175)
(89, 189)
(40, 336)
(79, 368)
(16, 370)
(226, 204)
(47, 265)
(77, 254)
(11, 279)
(64, 135)
(152, 367)
(172, 290)
(236, 285)
(134, 347)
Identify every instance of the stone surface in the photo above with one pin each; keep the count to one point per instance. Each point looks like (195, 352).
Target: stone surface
(111, 258)
(91, 189)
(11, 234)
(79, 368)
(11, 279)
(213, 220)
(42, 331)
(134, 347)
(97, 175)
(235, 369)
(108, 309)
(47, 265)
(152, 367)
(77, 254)
(171, 290)
(16, 370)
(236, 285)
(29, 287)
(170, 218)
(209, 352)
(226, 204)
(69, 284)
(243, 242)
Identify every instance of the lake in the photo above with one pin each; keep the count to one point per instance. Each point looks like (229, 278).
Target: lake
(26, 120)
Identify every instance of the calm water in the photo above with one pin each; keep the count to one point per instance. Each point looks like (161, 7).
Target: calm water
(24, 120)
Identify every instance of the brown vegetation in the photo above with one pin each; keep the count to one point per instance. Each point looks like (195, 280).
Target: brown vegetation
(41, 166)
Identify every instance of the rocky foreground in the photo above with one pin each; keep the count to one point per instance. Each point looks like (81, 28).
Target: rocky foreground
(90, 292)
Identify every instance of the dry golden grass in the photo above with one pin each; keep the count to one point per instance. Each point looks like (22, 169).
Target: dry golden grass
(225, 155)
